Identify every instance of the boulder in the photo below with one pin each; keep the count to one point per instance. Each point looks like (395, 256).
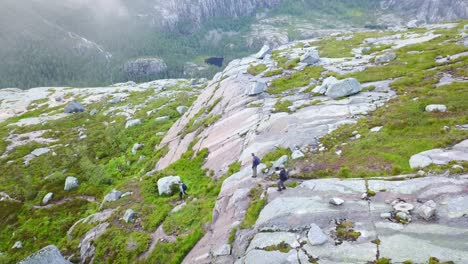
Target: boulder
(325, 84)
(263, 52)
(137, 147)
(48, 255)
(311, 57)
(115, 100)
(113, 196)
(182, 109)
(343, 88)
(316, 236)
(223, 250)
(419, 161)
(165, 184)
(376, 129)
(71, 183)
(436, 108)
(162, 119)
(281, 161)
(129, 216)
(427, 210)
(133, 122)
(256, 88)
(385, 58)
(93, 112)
(336, 201)
(47, 198)
(74, 107)
(40, 151)
(297, 154)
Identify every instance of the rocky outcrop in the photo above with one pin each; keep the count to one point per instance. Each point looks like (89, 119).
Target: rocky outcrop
(144, 67)
(458, 152)
(47, 255)
(428, 10)
(74, 107)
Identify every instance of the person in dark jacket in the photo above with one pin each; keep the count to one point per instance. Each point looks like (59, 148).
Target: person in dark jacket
(255, 163)
(182, 190)
(283, 176)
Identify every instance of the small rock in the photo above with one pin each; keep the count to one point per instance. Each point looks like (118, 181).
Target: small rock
(40, 151)
(297, 154)
(310, 57)
(263, 52)
(421, 173)
(403, 207)
(355, 133)
(59, 98)
(336, 201)
(137, 147)
(71, 183)
(178, 207)
(162, 119)
(458, 167)
(427, 210)
(47, 198)
(385, 215)
(133, 122)
(74, 107)
(376, 129)
(115, 100)
(18, 245)
(403, 216)
(338, 152)
(129, 216)
(386, 58)
(160, 134)
(280, 162)
(182, 109)
(113, 196)
(413, 24)
(224, 250)
(256, 88)
(436, 108)
(316, 236)
(93, 112)
(358, 136)
(126, 194)
(364, 196)
(446, 128)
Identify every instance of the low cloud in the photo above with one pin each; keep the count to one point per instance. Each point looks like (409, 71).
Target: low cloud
(102, 7)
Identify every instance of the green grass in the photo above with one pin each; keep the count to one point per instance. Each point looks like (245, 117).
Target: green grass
(273, 73)
(256, 69)
(282, 106)
(295, 80)
(255, 207)
(273, 156)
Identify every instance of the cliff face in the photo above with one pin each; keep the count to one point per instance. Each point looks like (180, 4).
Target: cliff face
(428, 10)
(170, 12)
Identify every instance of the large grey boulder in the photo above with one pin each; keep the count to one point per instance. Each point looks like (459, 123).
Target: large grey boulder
(316, 236)
(144, 67)
(436, 108)
(47, 198)
(165, 184)
(48, 255)
(311, 57)
(113, 196)
(427, 210)
(385, 58)
(133, 122)
(182, 109)
(343, 88)
(256, 88)
(71, 183)
(129, 216)
(322, 89)
(263, 52)
(74, 107)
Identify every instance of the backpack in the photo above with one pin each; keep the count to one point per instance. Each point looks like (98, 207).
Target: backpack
(184, 187)
(256, 161)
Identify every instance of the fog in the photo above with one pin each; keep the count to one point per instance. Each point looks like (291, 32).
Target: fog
(104, 8)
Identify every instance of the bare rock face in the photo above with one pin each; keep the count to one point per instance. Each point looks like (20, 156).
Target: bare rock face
(144, 67)
(47, 255)
(428, 10)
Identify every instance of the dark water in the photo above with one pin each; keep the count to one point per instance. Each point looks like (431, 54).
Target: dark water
(217, 61)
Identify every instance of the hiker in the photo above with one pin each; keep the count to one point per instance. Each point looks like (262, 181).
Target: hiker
(283, 176)
(255, 163)
(182, 189)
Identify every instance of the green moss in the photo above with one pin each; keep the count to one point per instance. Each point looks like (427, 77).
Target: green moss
(295, 80)
(345, 231)
(234, 168)
(255, 105)
(272, 156)
(232, 236)
(273, 73)
(255, 207)
(383, 261)
(281, 247)
(434, 260)
(282, 106)
(256, 69)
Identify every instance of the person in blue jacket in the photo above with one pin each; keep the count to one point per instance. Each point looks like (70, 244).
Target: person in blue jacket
(255, 163)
